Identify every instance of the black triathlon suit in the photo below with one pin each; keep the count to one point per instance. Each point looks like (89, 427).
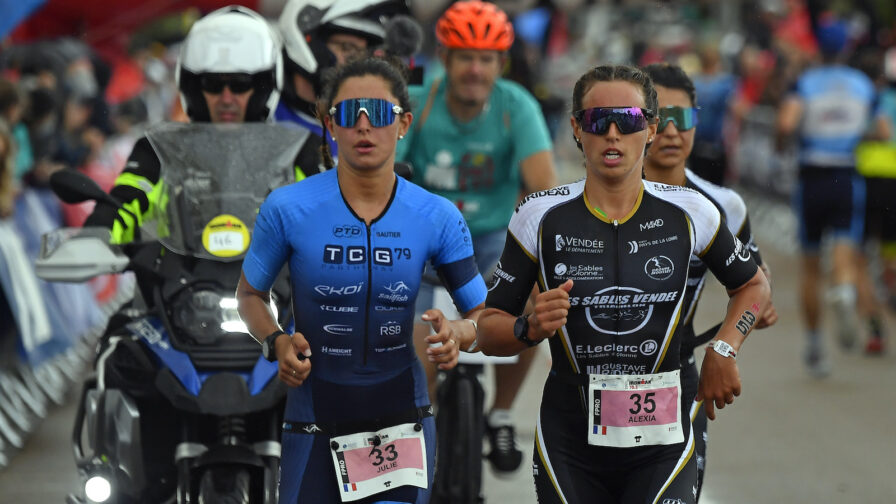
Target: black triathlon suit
(734, 214)
(626, 317)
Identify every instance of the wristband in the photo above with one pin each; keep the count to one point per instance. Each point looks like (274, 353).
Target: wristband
(724, 349)
(475, 343)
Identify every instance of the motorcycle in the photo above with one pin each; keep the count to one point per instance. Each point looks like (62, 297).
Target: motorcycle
(181, 406)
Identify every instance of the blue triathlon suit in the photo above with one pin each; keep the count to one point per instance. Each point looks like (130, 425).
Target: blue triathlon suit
(354, 286)
(838, 102)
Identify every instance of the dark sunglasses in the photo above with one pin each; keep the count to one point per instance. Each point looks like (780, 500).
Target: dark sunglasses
(379, 112)
(684, 118)
(628, 119)
(215, 83)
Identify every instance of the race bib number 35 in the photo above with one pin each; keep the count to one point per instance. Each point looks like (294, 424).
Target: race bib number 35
(635, 410)
(368, 463)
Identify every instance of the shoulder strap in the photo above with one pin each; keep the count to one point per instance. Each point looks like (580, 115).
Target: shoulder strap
(430, 98)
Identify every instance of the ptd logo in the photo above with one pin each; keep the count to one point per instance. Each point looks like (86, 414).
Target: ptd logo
(346, 231)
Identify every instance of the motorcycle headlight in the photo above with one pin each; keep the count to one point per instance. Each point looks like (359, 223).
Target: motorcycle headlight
(206, 315)
(97, 488)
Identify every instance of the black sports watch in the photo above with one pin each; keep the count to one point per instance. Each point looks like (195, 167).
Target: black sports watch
(521, 330)
(268, 345)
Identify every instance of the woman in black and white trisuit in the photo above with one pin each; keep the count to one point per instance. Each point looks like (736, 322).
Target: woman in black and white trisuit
(611, 256)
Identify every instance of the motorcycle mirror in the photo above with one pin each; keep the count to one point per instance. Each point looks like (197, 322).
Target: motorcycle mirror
(73, 186)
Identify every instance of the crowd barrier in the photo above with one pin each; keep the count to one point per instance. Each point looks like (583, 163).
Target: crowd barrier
(48, 331)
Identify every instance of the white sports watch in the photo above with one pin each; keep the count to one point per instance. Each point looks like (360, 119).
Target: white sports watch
(724, 349)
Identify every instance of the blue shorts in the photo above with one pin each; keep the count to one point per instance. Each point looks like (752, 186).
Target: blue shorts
(829, 200)
(487, 248)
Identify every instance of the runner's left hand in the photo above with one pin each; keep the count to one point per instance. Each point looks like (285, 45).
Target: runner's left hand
(719, 382)
(446, 333)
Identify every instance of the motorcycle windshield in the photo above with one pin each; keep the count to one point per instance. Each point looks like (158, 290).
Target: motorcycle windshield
(214, 178)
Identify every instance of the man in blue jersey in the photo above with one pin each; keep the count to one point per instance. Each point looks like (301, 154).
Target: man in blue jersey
(478, 141)
(829, 110)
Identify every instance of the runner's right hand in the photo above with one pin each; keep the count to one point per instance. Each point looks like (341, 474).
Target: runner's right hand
(551, 310)
(293, 359)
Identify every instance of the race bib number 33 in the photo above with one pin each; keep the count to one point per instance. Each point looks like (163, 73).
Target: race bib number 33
(635, 410)
(368, 463)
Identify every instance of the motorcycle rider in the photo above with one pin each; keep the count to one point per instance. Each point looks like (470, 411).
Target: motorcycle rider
(319, 34)
(243, 86)
(230, 79)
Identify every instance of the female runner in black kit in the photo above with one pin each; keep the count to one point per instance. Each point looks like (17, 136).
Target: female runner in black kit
(611, 254)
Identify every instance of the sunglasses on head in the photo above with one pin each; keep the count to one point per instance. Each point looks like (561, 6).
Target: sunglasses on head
(684, 118)
(379, 112)
(215, 83)
(628, 119)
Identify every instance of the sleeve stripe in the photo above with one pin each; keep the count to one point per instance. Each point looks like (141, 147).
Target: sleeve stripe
(711, 241)
(456, 274)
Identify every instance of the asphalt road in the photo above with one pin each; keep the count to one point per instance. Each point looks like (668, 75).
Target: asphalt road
(788, 438)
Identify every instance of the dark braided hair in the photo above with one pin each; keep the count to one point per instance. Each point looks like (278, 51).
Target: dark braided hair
(388, 68)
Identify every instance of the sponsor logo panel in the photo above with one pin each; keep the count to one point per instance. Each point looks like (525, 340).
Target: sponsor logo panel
(563, 243)
(659, 267)
(563, 271)
(556, 191)
(636, 245)
(621, 310)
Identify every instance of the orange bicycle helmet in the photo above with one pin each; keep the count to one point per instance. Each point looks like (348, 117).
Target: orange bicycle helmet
(474, 25)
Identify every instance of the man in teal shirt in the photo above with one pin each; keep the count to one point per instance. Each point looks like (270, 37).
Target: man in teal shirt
(482, 142)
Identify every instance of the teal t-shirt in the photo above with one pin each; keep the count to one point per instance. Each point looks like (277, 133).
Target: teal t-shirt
(475, 164)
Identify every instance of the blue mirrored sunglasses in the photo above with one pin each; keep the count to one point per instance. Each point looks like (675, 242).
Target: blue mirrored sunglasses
(684, 118)
(379, 112)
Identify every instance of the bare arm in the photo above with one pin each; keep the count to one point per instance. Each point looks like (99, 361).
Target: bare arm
(769, 314)
(538, 171)
(882, 129)
(789, 115)
(496, 326)
(719, 378)
(254, 307)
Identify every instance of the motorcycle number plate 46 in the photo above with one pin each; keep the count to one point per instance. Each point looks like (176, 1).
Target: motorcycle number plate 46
(225, 236)
(368, 463)
(635, 410)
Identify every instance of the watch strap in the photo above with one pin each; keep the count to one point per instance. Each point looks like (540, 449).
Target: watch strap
(267, 345)
(523, 334)
(275, 334)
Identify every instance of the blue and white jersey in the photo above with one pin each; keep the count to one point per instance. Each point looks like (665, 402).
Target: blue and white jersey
(354, 285)
(838, 103)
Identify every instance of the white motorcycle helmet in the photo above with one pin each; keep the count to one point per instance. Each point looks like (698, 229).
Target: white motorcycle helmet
(232, 39)
(305, 24)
